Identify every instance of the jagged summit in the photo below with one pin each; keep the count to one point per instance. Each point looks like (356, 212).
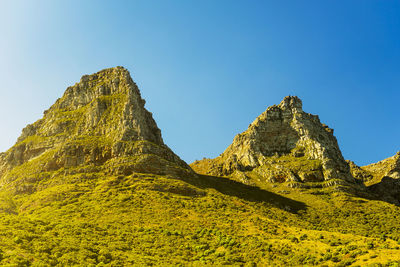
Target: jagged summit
(99, 122)
(293, 103)
(105, 103)
(283, 144)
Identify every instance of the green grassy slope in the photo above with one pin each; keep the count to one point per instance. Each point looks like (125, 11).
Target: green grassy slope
(92, 219)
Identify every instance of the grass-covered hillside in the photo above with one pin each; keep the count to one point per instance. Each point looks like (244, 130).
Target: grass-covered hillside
(95, 219)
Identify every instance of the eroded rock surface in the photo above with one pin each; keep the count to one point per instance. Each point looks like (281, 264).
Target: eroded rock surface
(283, 144)
(99, 123)
(385, 181)
(389, 167)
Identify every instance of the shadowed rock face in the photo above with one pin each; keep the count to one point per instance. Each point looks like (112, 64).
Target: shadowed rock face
(100, 121)
(283, 144)
(388, 189)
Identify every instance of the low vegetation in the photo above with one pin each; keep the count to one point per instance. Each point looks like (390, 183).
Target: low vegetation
(145, 219)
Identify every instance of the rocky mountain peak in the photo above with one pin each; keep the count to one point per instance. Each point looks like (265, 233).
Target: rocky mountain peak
(292, 103)
(105, 103)
(283, 143)
(100, 121)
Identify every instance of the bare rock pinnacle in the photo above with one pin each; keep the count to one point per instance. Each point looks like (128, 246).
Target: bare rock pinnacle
(283, 144)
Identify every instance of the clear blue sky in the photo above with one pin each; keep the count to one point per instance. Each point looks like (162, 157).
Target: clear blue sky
(208, 68)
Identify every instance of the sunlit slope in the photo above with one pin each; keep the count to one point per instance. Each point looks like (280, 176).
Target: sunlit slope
(150, 219)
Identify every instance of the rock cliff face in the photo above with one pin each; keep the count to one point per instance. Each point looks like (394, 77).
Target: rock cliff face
(359, 173)
(389, 167)
(99, 123)
(283, 144)
(385, 181)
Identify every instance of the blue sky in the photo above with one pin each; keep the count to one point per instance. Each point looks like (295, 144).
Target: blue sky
(208, 68)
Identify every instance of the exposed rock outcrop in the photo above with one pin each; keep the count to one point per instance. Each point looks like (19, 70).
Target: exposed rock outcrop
(389, 167)
(283, 144)
(359, 173)
(100, 123)
(385, 181)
